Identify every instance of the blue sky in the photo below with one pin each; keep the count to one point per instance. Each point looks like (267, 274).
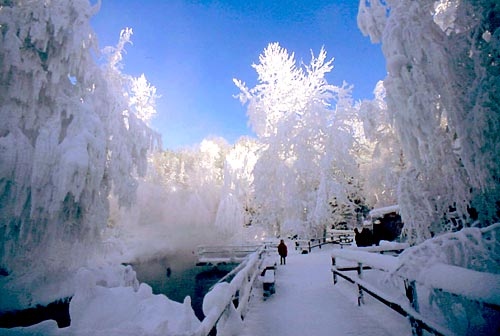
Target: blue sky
(191, 51)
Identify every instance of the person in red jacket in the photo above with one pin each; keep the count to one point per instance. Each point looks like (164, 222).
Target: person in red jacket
(283, 252)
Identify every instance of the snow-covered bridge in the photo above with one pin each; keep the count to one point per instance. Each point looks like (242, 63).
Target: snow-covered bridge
(307, 303)
(213, 255)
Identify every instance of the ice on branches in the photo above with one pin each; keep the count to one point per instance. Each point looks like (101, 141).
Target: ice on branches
(65, 140)
(305, 126)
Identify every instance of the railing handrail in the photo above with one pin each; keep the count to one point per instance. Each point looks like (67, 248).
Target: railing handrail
(241, 286)
(210, 254)
(446, 278)
(319, 241)
(226, 248)
(381, 262)
(233, 271)
(392, 247)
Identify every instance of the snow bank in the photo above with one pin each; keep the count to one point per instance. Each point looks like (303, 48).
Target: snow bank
(111, 303)
(121, 310)
(59, 284)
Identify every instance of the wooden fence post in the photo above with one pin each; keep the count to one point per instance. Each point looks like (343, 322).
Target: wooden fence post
(411, 294)
(334, 269)
(360, 290)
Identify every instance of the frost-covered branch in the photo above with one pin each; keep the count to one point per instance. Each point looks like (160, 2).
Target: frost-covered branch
(306, 142)
(65, 140)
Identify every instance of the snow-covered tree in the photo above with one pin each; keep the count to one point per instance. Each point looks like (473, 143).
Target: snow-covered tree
(290, 111)
(238, 180)
(143, 98)
(141, 94)
(66, 140)
(382, 165)
(442, 88)
(196, 170)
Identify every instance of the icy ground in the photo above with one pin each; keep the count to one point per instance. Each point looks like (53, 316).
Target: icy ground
(306, 302)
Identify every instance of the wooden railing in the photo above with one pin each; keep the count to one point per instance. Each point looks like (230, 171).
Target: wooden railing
(391, 248)
(341, 237)
(213, 255)
(240, 288)
(446, 281)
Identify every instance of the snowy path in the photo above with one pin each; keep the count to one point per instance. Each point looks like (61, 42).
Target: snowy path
(307, 303)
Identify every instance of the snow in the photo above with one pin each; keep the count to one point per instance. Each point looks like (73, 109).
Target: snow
(71, 144)
(439, 89)
(306, 302)
(124, 309)
(305, 126)
(379, 261)
(471, 248)
(66, 145)
(217, 298)
(481, 286)
(118, 310)
(384, 210)
(457, 270)
(268, 277)
(230, 324)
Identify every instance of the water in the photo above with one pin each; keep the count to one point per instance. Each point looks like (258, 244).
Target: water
(176, 277)
(58, 311)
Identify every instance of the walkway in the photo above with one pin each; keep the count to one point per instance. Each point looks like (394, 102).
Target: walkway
(307, 303)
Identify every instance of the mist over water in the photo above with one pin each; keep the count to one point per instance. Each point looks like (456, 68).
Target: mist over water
(166, 223)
